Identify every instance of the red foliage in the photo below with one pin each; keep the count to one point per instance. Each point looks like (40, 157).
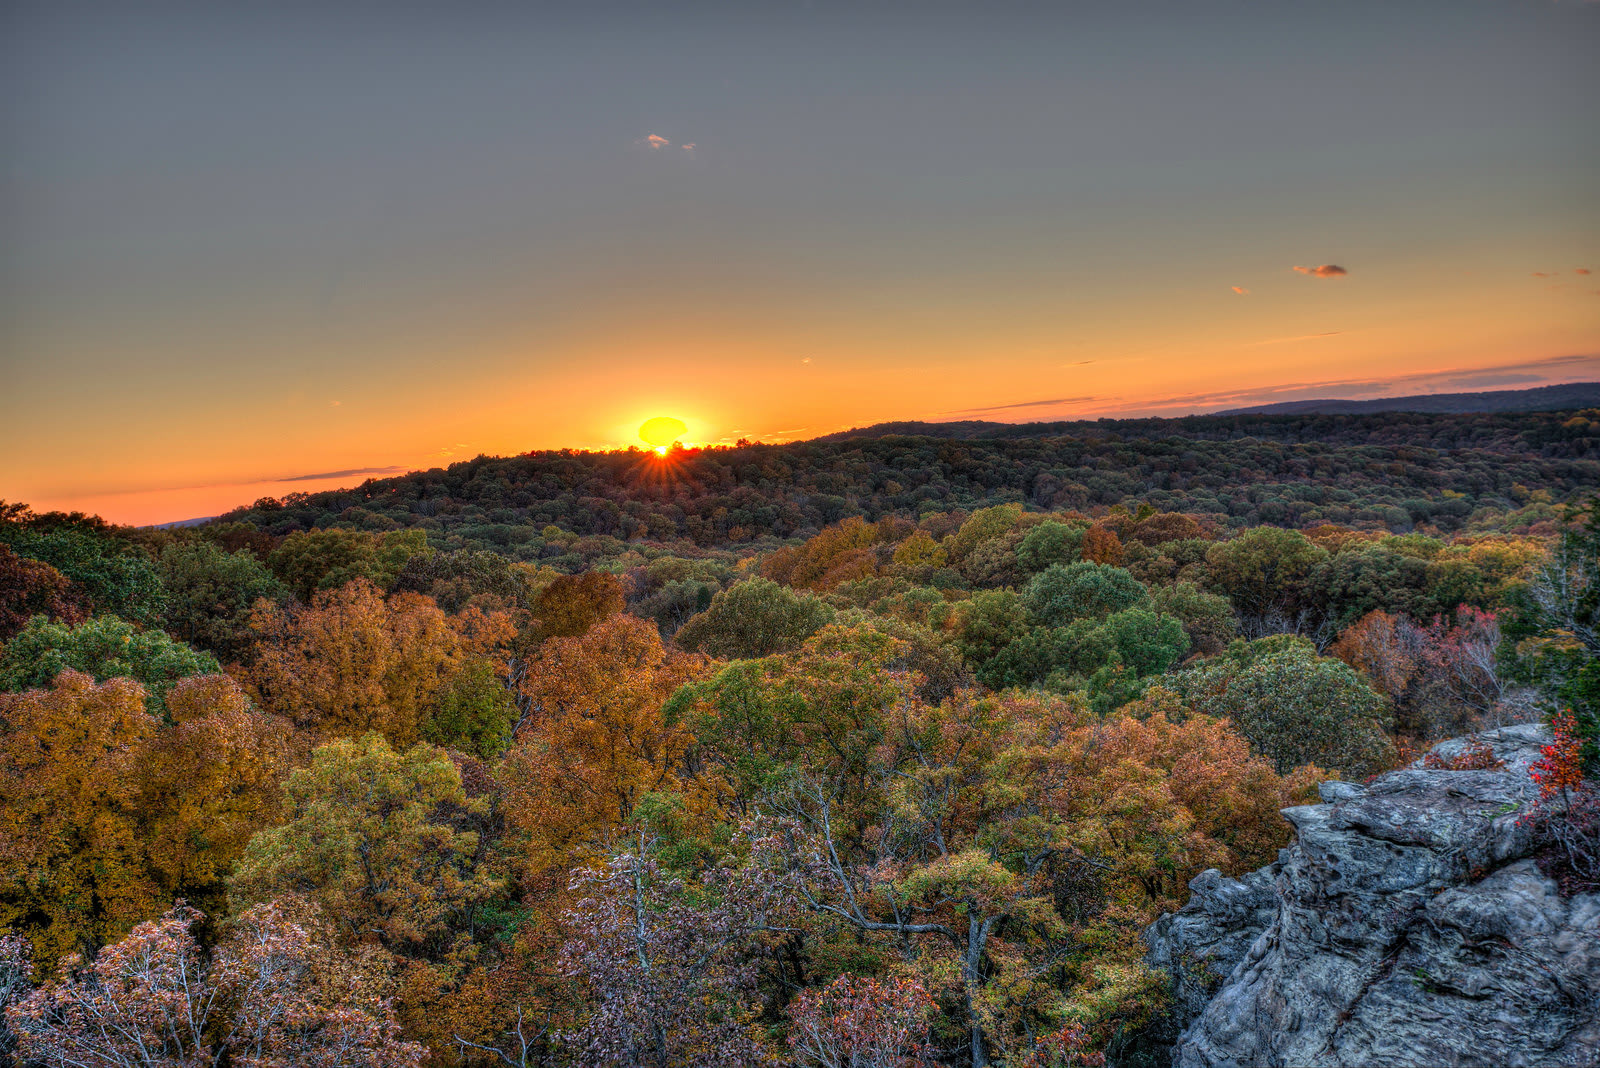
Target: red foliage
(856, 1022)
(1562, 766)
(1069, 1047)
(1566, 819)
(1475, 756)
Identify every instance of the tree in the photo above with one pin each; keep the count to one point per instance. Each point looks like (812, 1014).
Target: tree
(859, 1022)
(595, 740)
(33, 588)
(1060, 594)
(1294, 706)
(1266, 572)
(1207, 617)
(108, 814)
(754, 618)
(312, 560)
(571, 604)
(353, 662)
(381, 841)
(1048, 543)
(667, 968)
(276, 993)
(104, 647)
(210, 593)
(1559, 622)
(112, 575)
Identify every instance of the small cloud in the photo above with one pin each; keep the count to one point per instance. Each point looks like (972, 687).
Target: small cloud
(1297, 337)
(334, 404)
(1082, 363)
(654, 141)
(806, 360)
(1242, 291)
(690, 147)
(1053, 401)
(1326, 270)
(1581, 270)
(1540, 274)
(318, 476)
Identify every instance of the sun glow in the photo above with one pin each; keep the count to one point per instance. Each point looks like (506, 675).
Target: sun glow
(661, 432)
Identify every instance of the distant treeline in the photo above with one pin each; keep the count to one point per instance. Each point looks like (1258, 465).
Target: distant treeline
(1390, 471)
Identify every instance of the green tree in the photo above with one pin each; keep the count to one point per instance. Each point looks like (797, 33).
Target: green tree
(1266, 572)
(754, 618)
(1557, 626)
(1049, 543)
(475, 712)
(105, 647)
(113, 575)
(1294, 706)
(1206, 617)
(210, 592)
(1059, 594)
(312, 560)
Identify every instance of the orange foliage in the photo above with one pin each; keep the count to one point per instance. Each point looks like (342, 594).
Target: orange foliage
(106, 815)
(354, 662)
(1102, 546)
(595, 740)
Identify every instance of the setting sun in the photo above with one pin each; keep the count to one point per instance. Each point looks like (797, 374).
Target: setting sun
(660, 432)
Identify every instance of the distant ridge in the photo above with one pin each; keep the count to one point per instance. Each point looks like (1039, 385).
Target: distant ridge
(1538, 399)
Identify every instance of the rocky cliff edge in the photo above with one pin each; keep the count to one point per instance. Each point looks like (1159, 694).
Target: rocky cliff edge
(1406, 925)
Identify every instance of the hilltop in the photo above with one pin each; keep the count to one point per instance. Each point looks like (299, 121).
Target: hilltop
(1385, 470)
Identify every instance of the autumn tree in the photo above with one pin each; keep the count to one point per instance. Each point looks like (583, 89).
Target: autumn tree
(668, 969)
(110, 814)
(754, 618)
(861, 1022)
(353, 661)
(595, 740)
(571, 604)
(33, 588)
(276, 992)
(382, 841)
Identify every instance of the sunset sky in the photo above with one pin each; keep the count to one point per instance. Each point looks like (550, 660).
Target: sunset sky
(248, 254)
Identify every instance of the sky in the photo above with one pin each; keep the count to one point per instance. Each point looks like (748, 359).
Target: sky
(252, 251)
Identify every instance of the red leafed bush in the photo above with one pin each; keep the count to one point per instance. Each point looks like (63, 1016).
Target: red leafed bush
(861, 1023)
(1566, 819)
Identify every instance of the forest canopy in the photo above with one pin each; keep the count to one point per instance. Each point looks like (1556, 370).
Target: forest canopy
(851, 751)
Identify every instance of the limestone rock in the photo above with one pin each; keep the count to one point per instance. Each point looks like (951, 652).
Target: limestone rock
(1404, 926)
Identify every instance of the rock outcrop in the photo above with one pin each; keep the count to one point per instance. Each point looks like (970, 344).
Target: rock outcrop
(1405, 925)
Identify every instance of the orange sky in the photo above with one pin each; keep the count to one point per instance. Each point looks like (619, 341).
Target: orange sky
(248, 256)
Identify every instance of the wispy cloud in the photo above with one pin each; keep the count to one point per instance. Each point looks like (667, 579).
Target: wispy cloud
(653, 141)
(1297, 337)
(1242, 291)
(1548, 371)
(1023, 404)
(338, 474)
(690, 147)
(1326, 270)
(1581, 270)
